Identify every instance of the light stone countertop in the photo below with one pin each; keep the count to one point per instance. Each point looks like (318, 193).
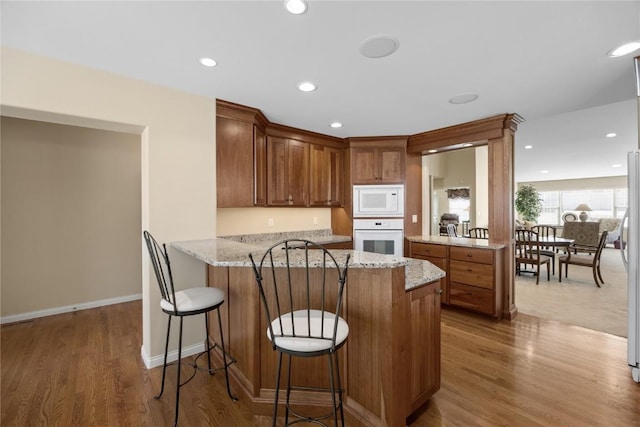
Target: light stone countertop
(456, 241)
(222, 252)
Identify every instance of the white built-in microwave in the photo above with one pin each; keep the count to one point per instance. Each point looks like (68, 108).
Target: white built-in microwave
(378, 201)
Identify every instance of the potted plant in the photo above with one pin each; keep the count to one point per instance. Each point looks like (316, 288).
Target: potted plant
(528, 203)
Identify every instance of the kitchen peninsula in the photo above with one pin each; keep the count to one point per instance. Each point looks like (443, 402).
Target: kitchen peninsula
(390, 365)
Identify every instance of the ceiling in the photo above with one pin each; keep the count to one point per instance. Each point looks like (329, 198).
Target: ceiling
(545, 61)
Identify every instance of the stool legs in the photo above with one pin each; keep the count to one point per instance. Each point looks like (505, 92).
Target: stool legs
(335, 390)
(164, 365)
(178, 362)
(224, 356)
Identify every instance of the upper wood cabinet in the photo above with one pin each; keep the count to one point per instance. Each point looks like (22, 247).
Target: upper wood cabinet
(287, 172)
(378, 162)
(326, 176)
(240, 156)
(259, 166)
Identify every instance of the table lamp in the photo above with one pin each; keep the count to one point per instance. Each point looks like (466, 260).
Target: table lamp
(584, 209)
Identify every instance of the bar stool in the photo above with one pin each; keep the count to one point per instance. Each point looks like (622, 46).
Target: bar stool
(301, 285)
(188, 302)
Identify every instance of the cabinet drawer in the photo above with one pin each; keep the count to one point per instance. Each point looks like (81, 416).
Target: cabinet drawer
(419, 250)
(470, 297)
(471, 273)
(484, 256)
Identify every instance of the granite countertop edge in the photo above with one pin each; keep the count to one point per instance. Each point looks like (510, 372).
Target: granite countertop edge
(456, 241)
(223, 252)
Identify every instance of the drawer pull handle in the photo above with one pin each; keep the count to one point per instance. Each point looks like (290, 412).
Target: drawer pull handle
(469, 293)
(439, 292)
(469, 270)
(469, 255)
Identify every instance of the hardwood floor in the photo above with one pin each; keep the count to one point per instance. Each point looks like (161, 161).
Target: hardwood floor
(85, 369)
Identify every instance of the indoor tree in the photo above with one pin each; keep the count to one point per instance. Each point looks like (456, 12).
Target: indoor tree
(528, 203)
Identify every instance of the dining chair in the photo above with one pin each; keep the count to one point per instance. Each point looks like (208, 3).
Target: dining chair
(547, 232)
(452, 230)
(183, 303)
(585, 260)
(301, 286)
(528, 253)
(479, 233)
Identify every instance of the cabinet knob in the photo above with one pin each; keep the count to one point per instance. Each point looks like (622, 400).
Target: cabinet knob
(439, 292)
(469, 293)
(469, 270)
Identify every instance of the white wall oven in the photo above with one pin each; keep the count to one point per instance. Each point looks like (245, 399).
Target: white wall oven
(378, 201)
(383, 236)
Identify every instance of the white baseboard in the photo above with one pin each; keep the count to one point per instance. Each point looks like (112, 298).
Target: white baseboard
(155, 361)
(67, 309)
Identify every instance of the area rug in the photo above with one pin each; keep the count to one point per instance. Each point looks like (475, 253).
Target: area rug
(577, 300)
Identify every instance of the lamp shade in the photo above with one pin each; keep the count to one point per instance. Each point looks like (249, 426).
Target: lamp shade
(582, 207)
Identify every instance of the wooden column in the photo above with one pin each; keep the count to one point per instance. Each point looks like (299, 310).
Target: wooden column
(498, 134)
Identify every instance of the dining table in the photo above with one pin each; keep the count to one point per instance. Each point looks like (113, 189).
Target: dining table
(556, 242)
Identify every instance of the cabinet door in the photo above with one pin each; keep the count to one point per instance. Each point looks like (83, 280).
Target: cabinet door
(297, 173)
(259, 167)
(392, 165)
(277, 188)
(234, 163)
(318, 182)
(425, 343)
(287, 172)
(364, 165)
(326, 176)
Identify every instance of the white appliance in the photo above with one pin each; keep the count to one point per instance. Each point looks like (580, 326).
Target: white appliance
(383, 236)
(632, 258)
(631, 262)
(378, 201)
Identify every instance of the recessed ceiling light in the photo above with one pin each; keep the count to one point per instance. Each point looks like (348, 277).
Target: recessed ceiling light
(433, 151)
(465, 98)
(296, 7)
(336, 125)
(306, 86)
(528, 147)
(616, 165)
(611, 135)
(379, 46)
(624, 49)
(208, 62)
(544, 171)
(468, 144)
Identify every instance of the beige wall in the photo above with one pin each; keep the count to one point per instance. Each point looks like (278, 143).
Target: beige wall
(233, 221)
(177, 137)
(481, 194)
(71, 203)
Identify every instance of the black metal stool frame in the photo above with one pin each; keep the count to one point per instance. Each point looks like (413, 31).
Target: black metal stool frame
(272, 259)
(160, 258)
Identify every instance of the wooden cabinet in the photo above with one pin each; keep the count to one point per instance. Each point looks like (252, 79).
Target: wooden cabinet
(259, 167)
(287, 172)
(474, 278)
(425, 343)
(326, 176)
(378, 165)
(240, 156)
(234, 163)
(438, 255)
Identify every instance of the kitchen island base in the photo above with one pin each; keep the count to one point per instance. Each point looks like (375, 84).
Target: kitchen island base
(390, 365)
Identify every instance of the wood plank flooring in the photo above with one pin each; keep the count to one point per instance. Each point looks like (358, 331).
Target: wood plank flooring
(85, 369)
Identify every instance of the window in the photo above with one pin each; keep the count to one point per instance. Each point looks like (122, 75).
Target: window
(604, 203)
